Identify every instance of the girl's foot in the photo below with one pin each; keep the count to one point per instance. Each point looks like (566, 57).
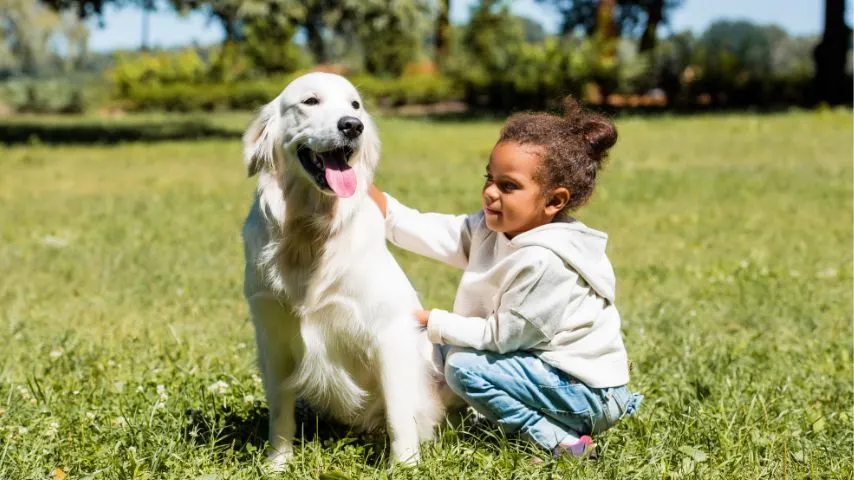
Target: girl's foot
(583, 448)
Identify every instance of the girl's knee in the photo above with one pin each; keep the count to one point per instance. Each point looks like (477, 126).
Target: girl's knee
(460, 363)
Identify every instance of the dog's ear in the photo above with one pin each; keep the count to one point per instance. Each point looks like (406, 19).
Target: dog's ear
(257, 145)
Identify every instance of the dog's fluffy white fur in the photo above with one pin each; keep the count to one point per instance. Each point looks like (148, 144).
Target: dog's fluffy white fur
(333, 311)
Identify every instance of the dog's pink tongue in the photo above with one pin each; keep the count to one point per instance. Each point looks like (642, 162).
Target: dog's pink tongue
(340, 176)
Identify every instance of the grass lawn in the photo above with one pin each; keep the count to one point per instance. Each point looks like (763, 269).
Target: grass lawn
(127, 350)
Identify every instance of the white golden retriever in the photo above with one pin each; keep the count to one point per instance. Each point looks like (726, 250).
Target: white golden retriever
(333, 311)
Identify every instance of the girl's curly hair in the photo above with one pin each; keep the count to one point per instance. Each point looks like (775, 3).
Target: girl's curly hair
(575, 147)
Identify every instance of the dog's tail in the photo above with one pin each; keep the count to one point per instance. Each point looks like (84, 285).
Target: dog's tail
(325, 384)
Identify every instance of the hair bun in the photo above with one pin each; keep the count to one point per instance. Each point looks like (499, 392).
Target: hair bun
(597, 131)
(600, 134)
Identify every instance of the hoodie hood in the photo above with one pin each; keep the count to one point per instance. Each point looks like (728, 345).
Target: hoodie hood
(581, 247)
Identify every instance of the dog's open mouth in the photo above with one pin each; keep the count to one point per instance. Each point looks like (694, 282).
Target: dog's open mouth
(330, 170)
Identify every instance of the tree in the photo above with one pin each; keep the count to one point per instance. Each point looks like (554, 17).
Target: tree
(27, 29)
(443, 32)
(534, 31)
(268, 43)
(83, 8)
(654, 15)
(390, 33)
(630, 17)
(147, 6)
(605, 27)
(830, 83)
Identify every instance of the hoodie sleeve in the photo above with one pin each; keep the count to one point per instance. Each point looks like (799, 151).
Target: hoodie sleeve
(531, 307)
(446, 238)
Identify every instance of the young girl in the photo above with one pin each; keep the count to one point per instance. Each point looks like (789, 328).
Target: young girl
(534, 340)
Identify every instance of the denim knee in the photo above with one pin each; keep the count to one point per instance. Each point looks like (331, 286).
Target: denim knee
(459, 361)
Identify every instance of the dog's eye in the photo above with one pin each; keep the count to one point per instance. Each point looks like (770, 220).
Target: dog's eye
(311, 101)
(355, 104)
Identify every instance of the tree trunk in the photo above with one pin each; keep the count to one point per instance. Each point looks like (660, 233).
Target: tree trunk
(606, 28)
(830, 82)
(443, 33)
(606, 38)
(654, 14)
(313, 30)
(146, 14)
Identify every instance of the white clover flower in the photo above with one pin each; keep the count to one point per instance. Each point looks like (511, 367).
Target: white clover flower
(54, 354)
(54, 241)
(120, 421)
(23, 430)
(249, 398)
(827, 273)
(90, 415)
(219, 387)
(52, 429)
(256, 378)
(161, 392)
(25, 394)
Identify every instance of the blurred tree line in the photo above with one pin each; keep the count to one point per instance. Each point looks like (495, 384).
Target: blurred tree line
(408, 51)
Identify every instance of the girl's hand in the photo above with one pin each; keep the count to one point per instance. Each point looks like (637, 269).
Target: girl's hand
(378, 198)
(423, 316)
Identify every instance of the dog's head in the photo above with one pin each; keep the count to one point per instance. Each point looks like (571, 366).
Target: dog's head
(316, 130)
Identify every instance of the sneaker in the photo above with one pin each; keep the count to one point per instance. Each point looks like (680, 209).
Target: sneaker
(583, 448)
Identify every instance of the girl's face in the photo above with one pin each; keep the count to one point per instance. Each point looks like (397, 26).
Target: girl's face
(513, 201)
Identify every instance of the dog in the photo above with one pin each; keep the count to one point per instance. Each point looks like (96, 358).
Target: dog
(333, 312)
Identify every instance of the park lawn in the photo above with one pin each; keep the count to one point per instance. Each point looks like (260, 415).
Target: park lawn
(127, 350)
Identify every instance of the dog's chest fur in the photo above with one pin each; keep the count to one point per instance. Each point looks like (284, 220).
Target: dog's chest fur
(306, 235)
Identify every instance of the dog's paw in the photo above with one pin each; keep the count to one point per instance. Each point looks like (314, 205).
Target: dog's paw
(277, 461)
(407, 458)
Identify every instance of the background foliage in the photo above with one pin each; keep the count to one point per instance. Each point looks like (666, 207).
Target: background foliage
(608, 52)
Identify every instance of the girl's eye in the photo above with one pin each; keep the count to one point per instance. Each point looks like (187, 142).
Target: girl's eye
(507, 187)
(311, 101)
(355, 105)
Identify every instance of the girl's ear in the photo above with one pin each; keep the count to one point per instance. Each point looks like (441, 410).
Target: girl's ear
(557, 200)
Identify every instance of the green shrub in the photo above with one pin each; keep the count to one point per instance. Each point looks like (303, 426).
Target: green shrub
(416, 89)
(184, 97)
(72, 94)
(206, 96)
(161, 68)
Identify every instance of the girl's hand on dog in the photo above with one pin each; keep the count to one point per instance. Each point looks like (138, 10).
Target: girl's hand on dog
(378, 198)
(423, 316)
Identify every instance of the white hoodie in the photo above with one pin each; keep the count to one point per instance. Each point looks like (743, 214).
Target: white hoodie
(549, 290)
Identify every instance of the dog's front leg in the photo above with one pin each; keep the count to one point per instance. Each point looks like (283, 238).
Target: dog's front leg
(401, 388)
(282, 427)
(276, 360)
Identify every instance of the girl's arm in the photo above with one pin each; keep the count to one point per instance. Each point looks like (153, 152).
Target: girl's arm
(530, 310)
(446, 238)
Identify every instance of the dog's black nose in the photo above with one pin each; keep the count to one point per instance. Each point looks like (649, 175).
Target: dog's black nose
(351, 127)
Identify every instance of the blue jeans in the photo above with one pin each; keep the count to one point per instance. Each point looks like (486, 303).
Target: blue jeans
(523, 394)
